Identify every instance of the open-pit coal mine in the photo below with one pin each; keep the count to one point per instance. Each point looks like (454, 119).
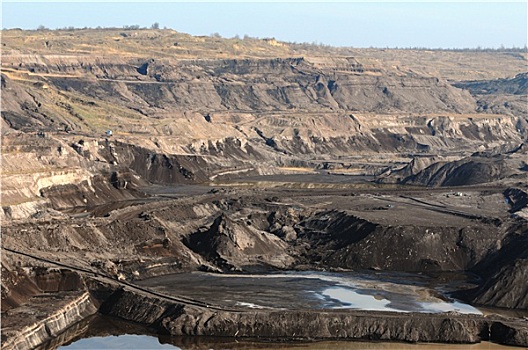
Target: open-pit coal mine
(274, 196)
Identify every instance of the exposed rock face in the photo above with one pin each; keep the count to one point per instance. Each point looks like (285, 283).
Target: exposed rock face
(264, 85)
(327, 324)
(42, 172)
(36, 291)
(71, 312)
(159, 168)
(187, 121)
(17, 287)
(330, 324)
(257, 107)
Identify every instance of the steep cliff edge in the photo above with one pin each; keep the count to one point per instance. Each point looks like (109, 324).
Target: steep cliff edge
(41, 303)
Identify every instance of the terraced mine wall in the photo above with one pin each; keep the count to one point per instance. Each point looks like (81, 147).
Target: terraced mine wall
(87, 140)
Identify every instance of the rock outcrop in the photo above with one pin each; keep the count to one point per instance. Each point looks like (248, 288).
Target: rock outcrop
(40, 304)
(71, 311)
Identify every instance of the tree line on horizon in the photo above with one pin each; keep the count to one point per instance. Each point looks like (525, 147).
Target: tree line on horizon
(156, 26)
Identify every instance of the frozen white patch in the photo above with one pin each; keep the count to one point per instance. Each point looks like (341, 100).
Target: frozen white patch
(450, 307)
(350, 299)
(250, 305)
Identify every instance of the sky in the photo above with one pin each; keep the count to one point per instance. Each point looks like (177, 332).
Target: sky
(346, 23)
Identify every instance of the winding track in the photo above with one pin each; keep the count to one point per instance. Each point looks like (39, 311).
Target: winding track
(123, 284)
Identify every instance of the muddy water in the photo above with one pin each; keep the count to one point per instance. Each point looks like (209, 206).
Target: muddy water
(150, 342)
(399, 292)
(125, 341)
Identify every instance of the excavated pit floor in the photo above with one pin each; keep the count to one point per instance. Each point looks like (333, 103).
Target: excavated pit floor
(368, 290)
(372, 291)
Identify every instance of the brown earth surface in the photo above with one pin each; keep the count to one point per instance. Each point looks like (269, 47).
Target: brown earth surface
(230, 155)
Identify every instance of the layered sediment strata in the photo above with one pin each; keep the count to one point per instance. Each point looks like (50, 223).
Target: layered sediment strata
(84, 132)
(179, 319)
(28, 327)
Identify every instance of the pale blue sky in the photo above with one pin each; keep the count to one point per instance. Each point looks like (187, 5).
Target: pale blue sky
(357, 24)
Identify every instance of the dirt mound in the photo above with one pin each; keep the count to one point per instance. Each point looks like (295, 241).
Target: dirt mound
(159, 167)
(461, 173)
(481, 167)
(341, 240)
(414, 167)
(517, 198)
(233, 244)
